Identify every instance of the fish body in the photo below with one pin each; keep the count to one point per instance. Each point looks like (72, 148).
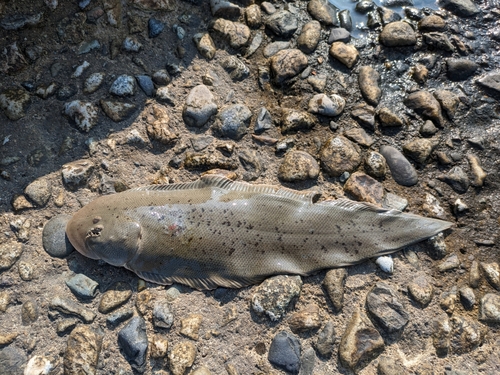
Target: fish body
(216, 232)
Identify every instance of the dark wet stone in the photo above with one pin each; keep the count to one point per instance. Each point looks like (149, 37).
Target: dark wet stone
(18, 21)
(236, 69)
(438, 41)
(124, 85)
(155, 27)
(325, 343)
(489, 308)
(263, 121)
(12, 361)
(339, 35)
(448, 100)
(401, 170)
(287, 64)
(360, 343)
(364, 188)
(323, 11)
(82, 351)
(388, 16)
(298, 166)
(82, 286)
(334, 284)
(460, 69)
(368, 84)
(339, 155)
(67, 306)
(428, 129)
(384, 305)
(462, 8)
(196, 160)
(397, 34)
(161, 77)
(345, 19)
(133, 343)
(66, 92)
(424, 104)
(225, 9)
(54, 239)
(457, 179)
(234, 120)
(491, 82)
(146, 84)
(284, 352)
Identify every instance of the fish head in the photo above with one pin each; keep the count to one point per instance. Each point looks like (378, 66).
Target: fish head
(98, 234)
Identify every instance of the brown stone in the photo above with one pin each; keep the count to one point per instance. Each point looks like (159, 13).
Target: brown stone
(345, 53)
(364, 188)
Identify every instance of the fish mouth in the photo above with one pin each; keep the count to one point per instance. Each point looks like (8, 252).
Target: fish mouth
(76, 233)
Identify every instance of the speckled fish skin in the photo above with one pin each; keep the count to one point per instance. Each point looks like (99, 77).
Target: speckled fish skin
(216, 232)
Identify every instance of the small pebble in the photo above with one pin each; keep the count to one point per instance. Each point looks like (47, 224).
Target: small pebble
(162, 315)
(181, 357)
(421, 290)
(155, 27)
(133, 342)
(491, 272)
(119, 316)
(467, 297)
(284, 352)
(82, 286)
(55, 241)
(190, 326)
(450, 263)
(385, 263)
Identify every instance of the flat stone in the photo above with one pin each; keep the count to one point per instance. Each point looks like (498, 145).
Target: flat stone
(298, 166)
(457, 179)
(462, 8)
(82, 286)
(54, 239)
(420, 149)
(114, 298)
(93, 82)
(466, 334)
(117, 111)
(325, 105)
(387, 365)
(190, 326)
(360, 343)
(368, 80)
(282, 23)
(339, 155)
(284, 352)
(383, 303)
(234, 120)
(181, 357)
(273, 48)
(225, 9)
(325, 343)
(67, 306)
(334, 285)
(263, 121)
(118, 317)
(448, 100)
(360, 136)
(162, 315)
(205, 45)
(287, 64)
(491, 82)
(438, 41)
(364, 115)
(309, 37)
(274, 295)
(10, 252)
(460, 69)
(489, 308)
(421, 290)
(474, 274)
(65, 326)
(339, 34)
(236, 33)
(131, 44)
(76, 173)
(14, 103)
(401, 170)
(424, 104)
(375, 164)
(450, 263)
(84, 114)
(82, 351)
(251, 162)
(5, 300)
(323, 11)
(305, 319)
(388, 119)
(146, 84)
(345, 53)
(133, 343)
(364, 188)
(293, 120)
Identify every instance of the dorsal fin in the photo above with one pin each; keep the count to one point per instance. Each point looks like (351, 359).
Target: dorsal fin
(350, 205)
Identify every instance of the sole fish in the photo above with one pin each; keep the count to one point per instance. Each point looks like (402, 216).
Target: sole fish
(217, 232)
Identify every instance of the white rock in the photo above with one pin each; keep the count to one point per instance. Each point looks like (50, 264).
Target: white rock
(84, 114)
(385, 263)
(38, 365)
(80, 69)
(325, 105)
(93, 82)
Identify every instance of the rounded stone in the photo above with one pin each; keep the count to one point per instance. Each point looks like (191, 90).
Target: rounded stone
(124, 85)
(284, 352)
(199, 107)
(9, 254)
(298, 166)
(368, 84)
(54, 239)
(83, 286)
(282, 23)
(29, 312)
(489, 310)
(339, 155)
(114, 298)
(309, 37)
(26, 270)
(155, 27)
(401, 170)
(325, 105)
(93, 83)
(234, 121)
(205, 45)
(162, 315)
(460, 69)
(146, 84)
(345, 53)
(375, 164)
(398, 34)
(287, 63)
(421, 290)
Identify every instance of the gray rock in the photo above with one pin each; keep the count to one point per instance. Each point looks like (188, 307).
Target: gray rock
(251, 162)
(421, 290)
(12, 361)
(18, 21)
(460, 69)
(424, 104)
(360, 343)
(298, 166)
(86, 47)
(201, 142)
(131, 44)
(39, 191)
(375, 164)
(254, 44)
(438, 41)
(457, 179)
(383, 304)
(82, 286)
(162, 315)
(82, 351)
(273, 48)
(120, 316)
(450, 263)
(236, 33)
(401, 170)
(475, 274)
(490, 82)
(124, 85)
(29, 312)
(466, 334)
(273, 296)
(428, 129)
(236, 69)
(67, 306)
(15, 102)
(146, 84)
(462, 8)
(339, 155)
(364, 115)
(398, 34)
(467, 297)
(225, 9)
(393, 201)
(263, 121)
(334, 284)
(117, 110)
(10, 251)
(347, 54)
(287, 64)
(307, 362)
(388, 16)
(199, 106)
(293, 121)
(368, 84)
(489, 308)
(133, 343)
(284, 352)
(54, 239)
(65, 326)
(323, 11)
(76, 173)
(325, 105)
(309, 37)
(155, 27)
(339, 35)
(93, 82)
(491, 272)
(234, 120)
(326, 340)
(282, 23)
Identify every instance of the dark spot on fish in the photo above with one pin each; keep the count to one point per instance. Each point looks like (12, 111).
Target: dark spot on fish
(96, 219)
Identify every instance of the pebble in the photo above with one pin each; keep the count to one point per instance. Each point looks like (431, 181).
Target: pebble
(275, 294)
(307, 362)
(345, 19)
(9, 254)
(490, 82)
(474, 274)
(12, 360)
(450, 263)
(489, 308)
(467, 297)
(199, 107)
(234, 120)
(457, 179)
(375, 164)
(161, 77)
(117, 111)
(325, 105)
(225, 9)
(254, 44)
(114, 298)
(84, 114)
(305, 319)
(420, 149)
(401, 170)
(82, 286)
(293, 120)
(120, 316)
(448, 100)
(66, 326)
(345, 53)
(298, 166)
(263, 121)
(251, 162)
(339, 35)
(159, 347)
(387, 365)
(360, 342)
(205, 45)
(466, 334)
(368, 80)
(93, 82)
(80, 69)
(460, 69)
(428, 129)
(253, 16)
(77, 173)
(360, 136)
(123, 86)
(393, 201)
(236, 33)
(146, 84)
(433, 208)
(383, 303)
(334, 285)
(398, 34)
(45, 91)
(67, 306)
(155, 27)
(339, 155)
(162, 315)
(364, 115)
(309, 37)
(208, 161)
(421, 290)
(284, 352)
(479, 175)
(86, 47)
(325, 342)
(273, 48)
(14, 103)
(361, 187)
(420, 73)
(29, 312)
(133, 342)
(181, 357)
(439, 249)
(190, 326)
(286, 64)
(5, 299)
(448, 301)
(38, 365)
(158, 125)
(426, 105)
(67, 91)
(438, 41)
(388, 119)
(201, 142)
(385, 263)
(491, 272)
(323, 11)
(462, 8)
(236, 69)
(25, 270)
(55, 241)
(82, 351)
(282, 23)
(131, 44)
